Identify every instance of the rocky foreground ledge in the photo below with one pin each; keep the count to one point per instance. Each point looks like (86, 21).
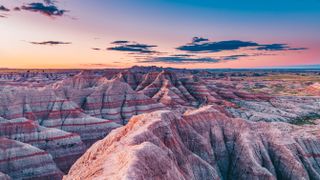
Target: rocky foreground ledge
(202, 144)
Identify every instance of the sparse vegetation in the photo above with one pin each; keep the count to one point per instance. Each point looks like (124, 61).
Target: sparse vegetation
(306, 120)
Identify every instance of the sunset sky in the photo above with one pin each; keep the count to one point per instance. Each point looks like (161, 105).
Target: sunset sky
(175, 33)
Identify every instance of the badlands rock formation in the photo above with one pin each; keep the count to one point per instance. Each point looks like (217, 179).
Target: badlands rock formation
(293, 109)
(34, 78)
(50, 118)
(64, 147)
(23, 161)
(175, 89)
(108, 99)
(313, 89)
(49, 110)
(169, 89)
(202, 144)
(63, 119)
(4, 176)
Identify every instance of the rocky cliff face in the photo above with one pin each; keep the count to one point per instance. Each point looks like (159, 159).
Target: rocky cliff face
(63, 119)
(22, 161)
(295, 110)
(175, 89)
(4, 176)
(202, 144)
(52, 111)
(64, 147)
(169, 89)
(48, 120)
(108, 99)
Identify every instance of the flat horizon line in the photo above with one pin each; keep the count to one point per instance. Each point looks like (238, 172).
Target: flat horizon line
(306, 67)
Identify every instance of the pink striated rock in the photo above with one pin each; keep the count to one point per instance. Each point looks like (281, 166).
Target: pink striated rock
(202, 144)
(313, 89)
(169, 89)
(108, 99)
(64, 147)
(23, 161)
(4, 176)
(295, 110)
(133, 79)
(43, 105)
(165, 87)
(175, 89)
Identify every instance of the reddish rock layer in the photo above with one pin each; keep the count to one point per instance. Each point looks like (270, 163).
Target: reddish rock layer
(176, 90)
(202, 144)
(4, 176)
(108, 99)
(50, 110)
(64, 147)
(23, 161)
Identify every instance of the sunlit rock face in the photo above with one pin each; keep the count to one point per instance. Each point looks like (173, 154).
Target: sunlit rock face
(202, 144)
(313, 89)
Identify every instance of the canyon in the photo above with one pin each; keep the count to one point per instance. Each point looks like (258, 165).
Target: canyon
(159, 123)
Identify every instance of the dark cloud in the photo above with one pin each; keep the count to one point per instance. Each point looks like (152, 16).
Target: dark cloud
(2, 8)
(132, 47)
(48, 10)
(202, 45)
(119, 42)
(199, 39)
(187, 58)
(234, 57)
(50, 43)
(97, 64)
(180, 59)
(49, 2)
(278, 47)
(182, 55)
(216, 46)
(96, 49)
(298, 49)
(17, 9)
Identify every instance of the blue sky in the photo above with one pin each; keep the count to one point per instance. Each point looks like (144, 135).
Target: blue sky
(90, 27)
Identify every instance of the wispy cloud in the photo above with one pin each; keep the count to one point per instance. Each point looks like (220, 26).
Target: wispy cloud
(2, 8)
(188, 58)
(278, 47)
(132, 47)
(199, 39)
(119, 42)
(49, 2)
(48, 10)
(50, 43)
(179, 59)
(197, 51)
(203, 45)
(234, 57)
(16, 9)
